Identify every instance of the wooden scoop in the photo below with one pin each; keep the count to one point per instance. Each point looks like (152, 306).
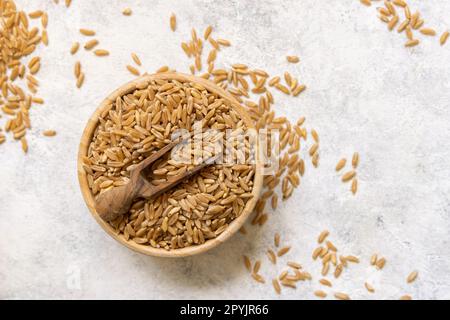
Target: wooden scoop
(117, 201)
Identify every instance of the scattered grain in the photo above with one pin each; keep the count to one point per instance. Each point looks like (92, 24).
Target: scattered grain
(322, 236)
(292, 59)
(133, 70)
(412, 277)
(276, 286)
(443, 38)
(380, 263)
(325, 282)
(173, 22)
(320, 294)
(341, 296)
(369, 287)
(101, 52)
(412, 43)
(428, 31)
(247, 263)
(348, 176)
(341, 164)
(74, 48)
(276, 240)
(354, 186)
(49, 133)
(283, 251)
(87, 32)
(91, 44)
(127, 12)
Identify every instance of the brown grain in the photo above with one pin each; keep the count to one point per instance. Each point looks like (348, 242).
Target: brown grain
(412, 277)
(276, 240)
(207, 33)
(136, 59)
(380, 263)
(272, 256)
(127, 12)
(292, 59)
(87, 32)
(369, 287)
(91, 44)
(341, 164)
(49, 133)
(412, 43)
(443, 38)
(348, 176)
(101, 52)
(133, 70)
(373, 259)
(80, 80)
(428, 31)
(320, 294)
(354, 186)
(74, 48)
(392, 23)
(355, 160)
(325, 282)
(283, 251)
(276, 286)
(322, 236)
(247, 263)
(173, 22)
(341, 296)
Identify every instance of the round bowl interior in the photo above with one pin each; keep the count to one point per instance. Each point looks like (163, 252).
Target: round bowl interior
(87, 136)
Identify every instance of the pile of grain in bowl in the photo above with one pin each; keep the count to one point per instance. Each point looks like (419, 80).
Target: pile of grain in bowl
(140, 123)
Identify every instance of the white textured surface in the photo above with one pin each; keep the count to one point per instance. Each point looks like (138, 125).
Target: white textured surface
(365, 92)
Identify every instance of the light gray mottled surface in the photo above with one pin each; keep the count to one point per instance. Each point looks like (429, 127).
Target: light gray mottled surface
(366, 92)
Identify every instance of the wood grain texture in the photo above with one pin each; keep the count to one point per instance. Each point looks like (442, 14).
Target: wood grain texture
(89, 198)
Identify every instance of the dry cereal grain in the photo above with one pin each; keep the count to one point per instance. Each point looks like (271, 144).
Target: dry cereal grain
(412, 277)
(136, 59)
(322, 236)
(276, 286)
(173, 22)
(133, 70)
(325, 282)
(91, 44)
(443, 38)
(341, 296)
(247, 263)
(87, 32)
(341, 164)
(292, 59)
(369, 287)
(49, 133)
(428, 31)
(283, 251)
(74, 48)
(320, 294)
(276, 240)
(101, 52)
(348, 176)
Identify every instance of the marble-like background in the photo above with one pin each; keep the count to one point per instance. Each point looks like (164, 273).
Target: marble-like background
(366, 92)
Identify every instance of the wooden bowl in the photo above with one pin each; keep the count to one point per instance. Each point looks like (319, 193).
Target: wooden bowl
(88, 133)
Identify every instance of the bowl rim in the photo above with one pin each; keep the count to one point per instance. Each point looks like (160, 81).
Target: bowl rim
(86, 138)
